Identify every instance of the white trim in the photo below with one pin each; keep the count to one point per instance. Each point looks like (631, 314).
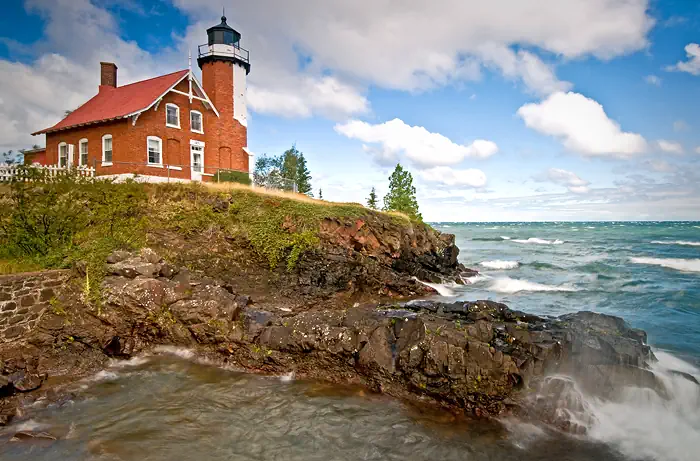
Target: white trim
(104, 162)
(176, 168)
(80, 152)
(160, 151)
(155, 109)
(62, 144)
(204, 93)
(141, 178)
(186, 94)
(169, 125)
(157, 100)
(196, 146)
(194, 142)
(207, 174)
(201, 121)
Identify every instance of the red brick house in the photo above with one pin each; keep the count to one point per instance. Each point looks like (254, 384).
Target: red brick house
(165, 128)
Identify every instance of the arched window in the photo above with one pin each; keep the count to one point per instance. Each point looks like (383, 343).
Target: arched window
(107, 150)
(172, 115)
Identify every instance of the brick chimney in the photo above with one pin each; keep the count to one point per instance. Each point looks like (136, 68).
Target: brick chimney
(108, 75)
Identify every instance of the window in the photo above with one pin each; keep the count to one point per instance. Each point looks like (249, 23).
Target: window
(83, 146)
(155, 151)
(63, 155)
(196, 123)
(107, 149)
(172, 116)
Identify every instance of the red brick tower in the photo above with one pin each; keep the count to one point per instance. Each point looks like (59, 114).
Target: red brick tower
(225, 66)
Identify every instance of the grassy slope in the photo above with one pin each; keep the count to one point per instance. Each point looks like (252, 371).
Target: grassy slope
(69, 223)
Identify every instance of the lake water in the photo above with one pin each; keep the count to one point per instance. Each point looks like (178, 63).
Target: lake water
(172, 407)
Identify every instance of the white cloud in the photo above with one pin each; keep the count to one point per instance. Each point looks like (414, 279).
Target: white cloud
(697, 150)
(661, 166)
(680, 125)
(653, 80)
(672, 147)
(692, 65)
(537, 76)
(470, 177)
(307, 96)
(428, 44)
(424, 148)
(582, 125)
(567, 179)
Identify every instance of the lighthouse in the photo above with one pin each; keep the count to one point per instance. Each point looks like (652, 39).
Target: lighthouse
(225, 67)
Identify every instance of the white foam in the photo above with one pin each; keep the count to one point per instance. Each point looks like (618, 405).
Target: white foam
(500, 265)
(644, 425)
(474, 279)
(509, 285)
(504, 237)
(105, 375)
(539, 241)
(177, 351)
(288, 377)
(443, 289)
(683, 265)
(132, 362)
(677, 242)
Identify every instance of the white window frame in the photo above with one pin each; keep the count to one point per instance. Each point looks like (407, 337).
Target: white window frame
(160, 152)
(60, 145)
(80, 152)
(201, 121)
(104, 138)
(177, 111)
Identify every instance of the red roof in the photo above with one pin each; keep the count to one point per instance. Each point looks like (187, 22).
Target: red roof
(112, 103)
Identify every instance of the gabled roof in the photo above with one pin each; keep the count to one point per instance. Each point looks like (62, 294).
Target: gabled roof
(113, 103)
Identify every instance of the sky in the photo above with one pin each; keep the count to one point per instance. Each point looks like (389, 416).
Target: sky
(505, 110)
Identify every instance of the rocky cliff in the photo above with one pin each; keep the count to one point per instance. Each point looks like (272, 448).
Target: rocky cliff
(480, 357)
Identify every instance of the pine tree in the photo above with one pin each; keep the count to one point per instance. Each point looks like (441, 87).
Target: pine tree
(372, 199)
(402, 194)
(320, 194)
(303, 176)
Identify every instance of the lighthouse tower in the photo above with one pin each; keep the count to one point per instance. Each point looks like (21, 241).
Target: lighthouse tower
(225, 66)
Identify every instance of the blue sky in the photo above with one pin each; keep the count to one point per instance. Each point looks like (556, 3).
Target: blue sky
(504, 110)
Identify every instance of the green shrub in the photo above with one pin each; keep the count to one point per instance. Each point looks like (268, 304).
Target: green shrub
(233, 176)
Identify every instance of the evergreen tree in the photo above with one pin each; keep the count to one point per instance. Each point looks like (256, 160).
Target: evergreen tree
(320, 194)
(303, 176)
(283, 172)
(402, 194)
(372, 199)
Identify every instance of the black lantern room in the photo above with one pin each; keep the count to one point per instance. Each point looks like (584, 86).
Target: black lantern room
(223, 45)
(223, 34)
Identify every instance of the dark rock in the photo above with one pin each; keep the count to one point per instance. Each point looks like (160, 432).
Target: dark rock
(30, 435)
(167, 270)
(118, 256)
(24, 381)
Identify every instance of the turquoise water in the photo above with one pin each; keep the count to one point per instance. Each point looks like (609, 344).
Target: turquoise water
(646, 272)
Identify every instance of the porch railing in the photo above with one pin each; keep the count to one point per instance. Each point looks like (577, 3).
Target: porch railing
(10, 173)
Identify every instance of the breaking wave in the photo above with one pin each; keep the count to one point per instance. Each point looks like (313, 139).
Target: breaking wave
(641, 422)
(683, 265)
(443, 289)
(539, 241)
(500, 265)
(509, 285)
(677, 242)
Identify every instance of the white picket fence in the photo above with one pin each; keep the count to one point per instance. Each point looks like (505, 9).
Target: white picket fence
(9, 173)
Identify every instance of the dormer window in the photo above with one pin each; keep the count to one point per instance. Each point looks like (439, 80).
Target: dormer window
(196, 122)
(172, 116)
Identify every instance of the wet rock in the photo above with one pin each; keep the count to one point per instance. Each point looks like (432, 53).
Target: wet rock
(30, 435)
(24, 381)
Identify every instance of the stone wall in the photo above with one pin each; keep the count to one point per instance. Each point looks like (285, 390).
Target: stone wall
(24, 298)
